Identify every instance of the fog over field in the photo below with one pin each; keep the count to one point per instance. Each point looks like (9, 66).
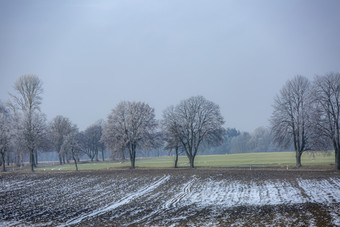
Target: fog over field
(105, 106)
(92, 54)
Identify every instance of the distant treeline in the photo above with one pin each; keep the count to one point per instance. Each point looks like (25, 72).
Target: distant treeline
(260, 140)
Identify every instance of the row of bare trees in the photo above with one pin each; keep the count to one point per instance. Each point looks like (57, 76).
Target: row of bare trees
(186, 126)
(70, 143)
(131, 126)
(24, 129)
(307, 115)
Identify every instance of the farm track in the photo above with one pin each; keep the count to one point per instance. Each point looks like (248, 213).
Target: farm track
(153, 197)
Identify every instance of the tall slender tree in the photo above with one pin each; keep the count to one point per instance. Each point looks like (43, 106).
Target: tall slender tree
(72, 145)
(60, 128)
(290, 120)
(93, 135)
(6, 133)
(326, 114)
(27, 97)
(170, 128)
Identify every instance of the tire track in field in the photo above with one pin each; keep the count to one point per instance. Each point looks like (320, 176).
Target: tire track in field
(169, 204)
(186, 191)
(125, 200)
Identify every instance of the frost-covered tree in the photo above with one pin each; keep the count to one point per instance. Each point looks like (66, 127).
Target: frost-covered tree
(60, 128)
(72, 145)
(291, 116)
(6, 133)
(169, 127)
(261, 140)
(326, 113)
(240, 143)
(193, 122)
(101, 144)
(31, 138)
(27, 99)
(130, 126)
(93, 143)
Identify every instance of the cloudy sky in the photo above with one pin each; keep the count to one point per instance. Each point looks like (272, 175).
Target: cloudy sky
(92, 54)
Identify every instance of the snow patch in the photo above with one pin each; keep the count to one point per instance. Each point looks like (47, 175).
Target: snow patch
(124, 200)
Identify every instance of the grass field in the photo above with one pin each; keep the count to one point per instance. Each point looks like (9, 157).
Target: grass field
(275, 159)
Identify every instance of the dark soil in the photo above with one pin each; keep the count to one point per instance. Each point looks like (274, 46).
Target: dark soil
(73, 198)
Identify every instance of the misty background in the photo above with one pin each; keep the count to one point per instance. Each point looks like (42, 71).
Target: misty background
(92, 54)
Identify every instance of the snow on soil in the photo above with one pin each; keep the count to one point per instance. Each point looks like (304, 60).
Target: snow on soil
(167, 200)
(126, 199)
(234, 193)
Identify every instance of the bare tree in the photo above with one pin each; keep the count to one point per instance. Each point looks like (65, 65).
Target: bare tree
(28, 90)
(72, 145)
(261, 140)
(173, 144)
(118, 153)
(193, 122)
(39, 131)
(60, 128)
(170, 129)
(30, 138)
(241, 143)
(87, 145)
(326, 117)
(6, 134)
(101, 144)
(131, 125)
(19, 148)
(93, 142)
(290, 118)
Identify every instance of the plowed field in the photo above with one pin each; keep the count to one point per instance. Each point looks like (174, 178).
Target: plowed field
(171, 197)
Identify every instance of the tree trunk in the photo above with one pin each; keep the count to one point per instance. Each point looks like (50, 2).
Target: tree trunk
(32, 160)
(132, 163)
(132, 156)
(298, 158)
(21, 159)
(8, 159)
(75, 162)
(176, 157)
(97, 156)
(17, 160)
(337, 159)
(60, 159)
(192, 161)
(35, 158)
(103, 155)
(3, 162)
(134, 159)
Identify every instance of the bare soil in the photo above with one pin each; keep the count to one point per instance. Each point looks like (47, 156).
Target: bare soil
(181, 197)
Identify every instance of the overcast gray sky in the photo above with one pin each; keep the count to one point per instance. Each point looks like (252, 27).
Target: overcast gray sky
(92, 54)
